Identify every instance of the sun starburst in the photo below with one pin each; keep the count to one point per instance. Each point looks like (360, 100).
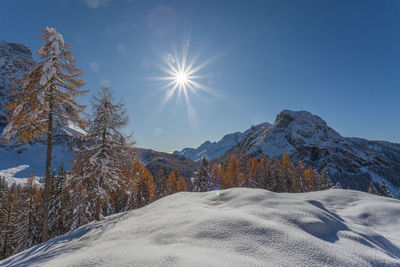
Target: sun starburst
(182, 77)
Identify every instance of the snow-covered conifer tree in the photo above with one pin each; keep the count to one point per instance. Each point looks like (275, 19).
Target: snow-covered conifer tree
(324, 181)
(58, 208)
(8, 219)
(201, 182)
(372, 188)
(103, 151)
(29, 224)
(384, 190)
(47, 96)
(3, 186)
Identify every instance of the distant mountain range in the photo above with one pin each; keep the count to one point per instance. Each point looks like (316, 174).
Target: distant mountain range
(351, 161)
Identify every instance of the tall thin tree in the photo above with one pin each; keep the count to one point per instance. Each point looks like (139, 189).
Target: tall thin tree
(46, 96)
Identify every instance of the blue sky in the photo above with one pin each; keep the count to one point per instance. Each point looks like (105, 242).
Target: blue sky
(337, 59)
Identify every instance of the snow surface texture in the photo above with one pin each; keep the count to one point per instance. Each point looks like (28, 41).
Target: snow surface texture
(240, 227)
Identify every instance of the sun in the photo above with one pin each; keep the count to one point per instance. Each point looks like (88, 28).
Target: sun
(182, 78)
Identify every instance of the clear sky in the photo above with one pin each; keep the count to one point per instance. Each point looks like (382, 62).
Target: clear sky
(337, 59)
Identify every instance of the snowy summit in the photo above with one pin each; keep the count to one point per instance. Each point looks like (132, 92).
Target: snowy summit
(238, 227)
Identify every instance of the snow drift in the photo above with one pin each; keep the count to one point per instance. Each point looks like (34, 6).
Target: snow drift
(240, 227)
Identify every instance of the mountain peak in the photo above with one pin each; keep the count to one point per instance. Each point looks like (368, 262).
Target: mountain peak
(285, 117)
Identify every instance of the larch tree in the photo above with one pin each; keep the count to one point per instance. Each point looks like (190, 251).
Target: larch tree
(176, 183)
(201, 182)
(160, 183)
(144, 187)
(310, 177)
(46, 96)
(265, 172)
(102, 151)
(287, 174)
(139, 185)
(232, 175)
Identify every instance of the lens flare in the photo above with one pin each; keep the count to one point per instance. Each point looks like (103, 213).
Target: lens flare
(217, 192)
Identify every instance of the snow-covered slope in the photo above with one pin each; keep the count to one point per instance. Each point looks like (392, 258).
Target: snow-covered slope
(17, 163)
(213, 150)
(240, 227)
(307, 137)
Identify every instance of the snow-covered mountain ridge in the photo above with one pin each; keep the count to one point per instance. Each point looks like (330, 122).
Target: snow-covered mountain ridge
(351, 161)
(212, 150)
(238, 227)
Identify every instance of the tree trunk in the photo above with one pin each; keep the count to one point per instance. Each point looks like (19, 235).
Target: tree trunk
(98, 209)
(47, 179)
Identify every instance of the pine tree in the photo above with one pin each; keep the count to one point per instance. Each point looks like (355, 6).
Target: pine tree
(102, 152)
(325, 181)
(176, 183)
(384, 190)
(266, 175)
(202, 177)
(372, 188)
(287, 174)
(47, 97)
